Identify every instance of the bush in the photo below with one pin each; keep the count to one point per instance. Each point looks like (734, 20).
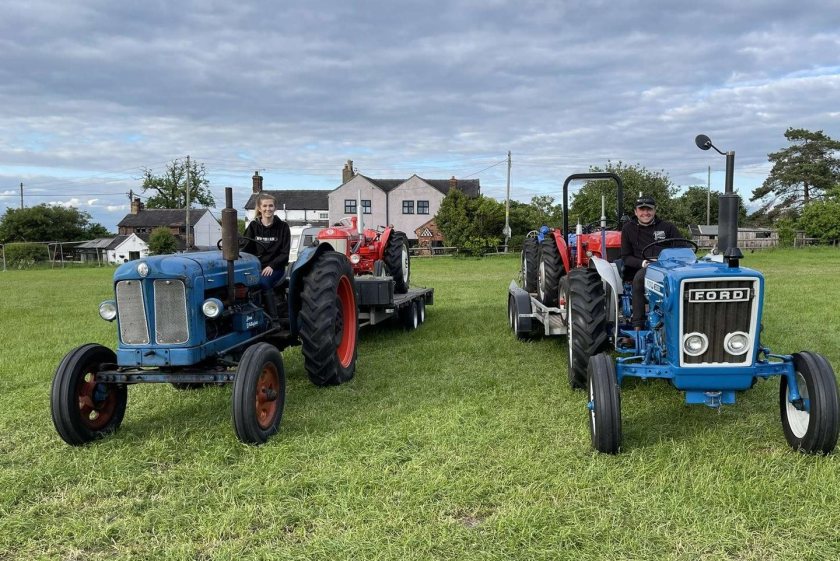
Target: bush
(25, 255)
(162, 241)
(787, 232)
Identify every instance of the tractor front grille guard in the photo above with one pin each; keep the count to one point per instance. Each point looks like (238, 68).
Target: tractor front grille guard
(170, 307)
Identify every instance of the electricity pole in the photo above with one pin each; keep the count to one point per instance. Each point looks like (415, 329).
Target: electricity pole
(187, 229)
(21, 194)
(506, 230)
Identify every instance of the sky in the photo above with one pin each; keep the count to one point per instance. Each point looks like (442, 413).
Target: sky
(92, 92)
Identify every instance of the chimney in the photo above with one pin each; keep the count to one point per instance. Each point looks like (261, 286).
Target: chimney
(348, 172)
(453, 183)
(136, 205)
(257, 182)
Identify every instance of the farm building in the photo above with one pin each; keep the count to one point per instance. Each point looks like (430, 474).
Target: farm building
(748, 238)
(116, 250)
(205, 230)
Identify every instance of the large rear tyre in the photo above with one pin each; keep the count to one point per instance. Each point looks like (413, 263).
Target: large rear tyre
(328, 319)
(82, 409)
(586, 315)
(604, 405)
(530, 264)
(397, 261)
(812, 425)
(259, 394)
(550, 271)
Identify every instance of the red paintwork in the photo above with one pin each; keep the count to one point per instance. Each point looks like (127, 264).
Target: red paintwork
(589, 243)
(372, 247)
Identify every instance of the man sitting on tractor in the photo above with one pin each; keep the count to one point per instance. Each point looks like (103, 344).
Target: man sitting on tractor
(637, 233)
(269, 239)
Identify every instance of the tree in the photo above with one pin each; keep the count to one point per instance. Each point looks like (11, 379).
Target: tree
(821, 219)
(586, 203)
(690, 207)
(170, 188)
(473, 224)
(162, 241)
(46, 223)
(801, 173)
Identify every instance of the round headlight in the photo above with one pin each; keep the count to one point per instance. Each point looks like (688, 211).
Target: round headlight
(108, 310)
(212, 307)
(142, 268)
(355, 258)
(695, 344)
(736, 343)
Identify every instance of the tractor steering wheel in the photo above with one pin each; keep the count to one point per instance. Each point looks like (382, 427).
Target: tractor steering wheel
(243, 241)
(671, 241)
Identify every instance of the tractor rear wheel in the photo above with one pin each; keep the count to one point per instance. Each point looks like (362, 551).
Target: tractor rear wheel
(586, 317)
(604, 405)
(397, 261)
(82, 409)
(812, 425)
(259, 393)
(550, 271)
(329, 320)
(530, 264)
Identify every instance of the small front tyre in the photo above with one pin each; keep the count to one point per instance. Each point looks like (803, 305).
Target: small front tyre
(811, 426)
(259, 394)
(604, 405)
(82, 409)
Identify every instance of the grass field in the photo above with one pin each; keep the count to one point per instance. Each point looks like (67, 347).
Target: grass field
(453, 442)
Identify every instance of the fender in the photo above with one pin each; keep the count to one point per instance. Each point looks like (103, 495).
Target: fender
(301, 266)
(563, 249)
(609, 274)
(386, 235)
(523, 304)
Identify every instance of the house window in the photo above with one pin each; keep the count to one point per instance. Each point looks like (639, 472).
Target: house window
(408, 207)
(365, 206)
(324, 215)
(422, 207)
(349, 206)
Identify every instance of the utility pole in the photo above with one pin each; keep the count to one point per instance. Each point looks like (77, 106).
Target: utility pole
(506, 230)
(187, 222)
(709, 197)
(21, 194)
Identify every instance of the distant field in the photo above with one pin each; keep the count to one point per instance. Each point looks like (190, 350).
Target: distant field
(453, 442)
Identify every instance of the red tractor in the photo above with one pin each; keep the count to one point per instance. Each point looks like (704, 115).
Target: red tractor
(370, 250)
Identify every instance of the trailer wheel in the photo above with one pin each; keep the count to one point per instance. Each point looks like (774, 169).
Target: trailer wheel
(811, 426)
(329, 320)
(397, 261)
(550, 271)
(530, 264)
(586, 317)
(83, 410)
(421, 310)
(409, 316)
(604, 405)
(259, 393)
(522, 331)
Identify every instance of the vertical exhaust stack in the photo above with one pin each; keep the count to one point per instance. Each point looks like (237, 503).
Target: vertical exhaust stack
(728, 207)
(230, 241)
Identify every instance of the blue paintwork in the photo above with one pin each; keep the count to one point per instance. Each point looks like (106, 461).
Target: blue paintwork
(651, 357)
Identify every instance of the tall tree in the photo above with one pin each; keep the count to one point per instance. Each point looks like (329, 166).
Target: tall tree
(801, 173)
(170, 188)
(690, 207)
(46, 223)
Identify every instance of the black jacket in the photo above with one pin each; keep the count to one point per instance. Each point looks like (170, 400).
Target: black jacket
(634, 238)
(276, 240)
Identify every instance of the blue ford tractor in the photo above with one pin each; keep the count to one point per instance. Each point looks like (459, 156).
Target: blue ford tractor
(197, 319)
(702, 335)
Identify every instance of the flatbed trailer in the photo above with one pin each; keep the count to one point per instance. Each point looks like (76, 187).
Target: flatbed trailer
(527, 315)
(377, 302)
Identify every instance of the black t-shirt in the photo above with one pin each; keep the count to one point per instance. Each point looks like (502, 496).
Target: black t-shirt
(276, 240)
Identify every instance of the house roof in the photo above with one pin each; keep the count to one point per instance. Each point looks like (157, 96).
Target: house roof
(295, 199)
(712, 230)
(98, 243)
(470, 187)
(156, 217)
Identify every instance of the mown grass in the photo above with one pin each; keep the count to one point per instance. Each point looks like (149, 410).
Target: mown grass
(453, 442)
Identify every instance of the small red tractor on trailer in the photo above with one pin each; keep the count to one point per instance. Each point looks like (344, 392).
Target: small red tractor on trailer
(370, 249)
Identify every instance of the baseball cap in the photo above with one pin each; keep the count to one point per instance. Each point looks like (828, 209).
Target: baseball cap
(648, 202)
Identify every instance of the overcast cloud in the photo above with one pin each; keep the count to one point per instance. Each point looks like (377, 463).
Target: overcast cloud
(92, 91)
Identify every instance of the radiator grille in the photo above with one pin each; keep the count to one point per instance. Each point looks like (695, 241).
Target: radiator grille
(170, 312)
(717, 318)
(134, 330)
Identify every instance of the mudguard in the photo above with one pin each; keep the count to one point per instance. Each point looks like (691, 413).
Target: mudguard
(609, 273)
(563, 249)
(304, 262)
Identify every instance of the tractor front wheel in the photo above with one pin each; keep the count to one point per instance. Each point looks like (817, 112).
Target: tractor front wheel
(586, 321)
(329, 320)
(259, 393)
(604, 405)
(82, 409)
(811, 425)
(397, 261)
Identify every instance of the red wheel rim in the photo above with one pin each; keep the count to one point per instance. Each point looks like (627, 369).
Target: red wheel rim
(347, 301)
(268, 396)
(95, 414)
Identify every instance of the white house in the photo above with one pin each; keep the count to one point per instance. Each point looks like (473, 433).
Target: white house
(115, 251)
(298, 207)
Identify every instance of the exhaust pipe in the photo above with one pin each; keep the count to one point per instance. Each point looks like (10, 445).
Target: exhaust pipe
(230, 241)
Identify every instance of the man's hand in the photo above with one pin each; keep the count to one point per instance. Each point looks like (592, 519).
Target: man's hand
(267, 272)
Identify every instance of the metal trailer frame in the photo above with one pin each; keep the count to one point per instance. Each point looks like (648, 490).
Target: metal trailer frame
(528, 311)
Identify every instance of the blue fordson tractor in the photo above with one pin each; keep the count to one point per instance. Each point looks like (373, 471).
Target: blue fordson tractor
(197, 319)
(702, 335)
